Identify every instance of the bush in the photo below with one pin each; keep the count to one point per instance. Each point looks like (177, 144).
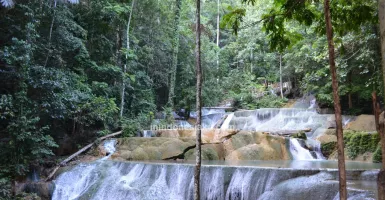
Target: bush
(377, 156)
(130, 127)
(360, 142)
(5, 189)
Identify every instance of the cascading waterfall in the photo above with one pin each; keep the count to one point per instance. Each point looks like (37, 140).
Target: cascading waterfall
(226, 123)
(298, 152)
(105, 180)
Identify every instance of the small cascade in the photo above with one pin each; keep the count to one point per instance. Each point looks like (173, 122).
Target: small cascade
(313, 103)
(298, 152)
(148, 133)
(209, 121)
(226, 123)
(183, 124)
(109, 146)
(34, 176)
(208, 111)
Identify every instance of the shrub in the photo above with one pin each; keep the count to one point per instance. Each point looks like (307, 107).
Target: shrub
(377, 156)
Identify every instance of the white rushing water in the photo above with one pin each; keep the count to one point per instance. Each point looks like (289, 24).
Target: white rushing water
(298, 152)
(109, 180)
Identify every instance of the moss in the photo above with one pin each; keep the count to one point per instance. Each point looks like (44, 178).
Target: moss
(300, 135)
(328, 148)
(377, 157)
(358, 143)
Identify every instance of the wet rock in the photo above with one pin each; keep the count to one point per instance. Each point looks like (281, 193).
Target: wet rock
(319, 186)
(327, 139)
(256, 146)
(300, 135)
(364, 123)
(209, 152)
(43, 189)
(156, 148)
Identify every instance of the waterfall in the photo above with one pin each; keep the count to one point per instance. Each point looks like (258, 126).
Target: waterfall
(110, 180)
(147, 133)
(298, 152)
(226, 123)
(313, 103)
(209, 121)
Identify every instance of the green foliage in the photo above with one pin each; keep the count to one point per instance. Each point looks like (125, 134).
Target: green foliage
(328, 148)
(132, 126)
(5, 189)
(359, 142)
(377, 156)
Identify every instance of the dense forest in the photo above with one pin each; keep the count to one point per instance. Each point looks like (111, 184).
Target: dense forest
(72, 71)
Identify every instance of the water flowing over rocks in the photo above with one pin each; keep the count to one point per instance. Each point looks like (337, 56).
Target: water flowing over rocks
(246, 156)
(121, 180)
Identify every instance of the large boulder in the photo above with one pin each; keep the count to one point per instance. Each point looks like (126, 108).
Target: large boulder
(156, 148)
(218, 145)
(208, 135)
(208, 152)
(364, 123)
(256, 146)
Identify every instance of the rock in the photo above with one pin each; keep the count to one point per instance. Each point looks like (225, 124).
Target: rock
(208, 135)
(300, 135)
(327, 139)
(325, 111)
(156, 148)
(225, 144)
(319, 186)
(256, 146)
(328, 144)
(364, 123)
(43, 189)
(209, 152)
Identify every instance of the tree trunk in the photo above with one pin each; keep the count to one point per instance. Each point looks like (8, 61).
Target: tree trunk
(337, 106)
(64, 162)
(125, 64)
(50, 34)
(350, 101)
(197, 171)
(175, 50)
(381, 16)
(280, 74)
(218, 29)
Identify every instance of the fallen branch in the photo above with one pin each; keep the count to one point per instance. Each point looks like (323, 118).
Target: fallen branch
(64, 162)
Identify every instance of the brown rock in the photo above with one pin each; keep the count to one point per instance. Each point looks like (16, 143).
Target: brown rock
(362, 123)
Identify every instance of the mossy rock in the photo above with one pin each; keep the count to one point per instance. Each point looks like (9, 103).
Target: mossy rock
(300, 135)
(358, 143)
(328, 148)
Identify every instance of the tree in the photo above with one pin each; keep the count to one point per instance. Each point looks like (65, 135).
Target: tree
(175, 50)
(126, 63)
(197, 171)
(337, 105)
(381, 177)
(280, 75)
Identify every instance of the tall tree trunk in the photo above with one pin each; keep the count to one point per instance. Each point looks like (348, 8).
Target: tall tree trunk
(125, 64)
(350, 101)
(197, 171)
(337, 106)
(50, 34)
(218, 29)
(280, 74)
(175, 50)
(381, 16)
